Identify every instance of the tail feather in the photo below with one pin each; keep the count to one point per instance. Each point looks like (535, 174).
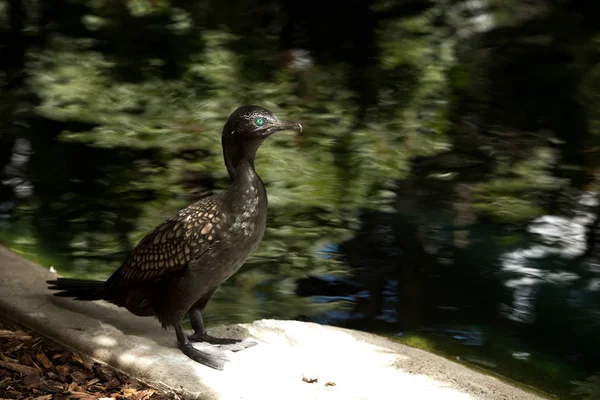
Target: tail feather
(80, 289)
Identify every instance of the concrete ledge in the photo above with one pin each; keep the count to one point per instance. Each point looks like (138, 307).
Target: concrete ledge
(347, 364)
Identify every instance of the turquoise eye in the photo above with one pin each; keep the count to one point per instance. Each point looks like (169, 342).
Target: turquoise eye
(259, 121)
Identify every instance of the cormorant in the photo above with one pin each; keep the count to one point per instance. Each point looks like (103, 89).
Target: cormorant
(176, 268)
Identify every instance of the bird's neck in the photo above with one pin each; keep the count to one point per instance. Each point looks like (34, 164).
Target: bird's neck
(239, 156)
(246, 186)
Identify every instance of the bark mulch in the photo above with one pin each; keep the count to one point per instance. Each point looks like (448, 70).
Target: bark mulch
(35, 368)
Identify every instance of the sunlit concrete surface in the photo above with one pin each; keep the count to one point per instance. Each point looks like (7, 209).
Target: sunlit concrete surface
(293, 360)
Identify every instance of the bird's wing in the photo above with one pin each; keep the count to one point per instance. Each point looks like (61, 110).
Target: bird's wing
(174, 243)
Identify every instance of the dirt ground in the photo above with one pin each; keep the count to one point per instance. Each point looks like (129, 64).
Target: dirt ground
(34, 368)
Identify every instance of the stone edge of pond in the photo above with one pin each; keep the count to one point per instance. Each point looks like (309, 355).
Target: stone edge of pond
(293, 359)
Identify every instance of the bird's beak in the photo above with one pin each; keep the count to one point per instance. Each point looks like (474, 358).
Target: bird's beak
(292, 126)
(282, 126)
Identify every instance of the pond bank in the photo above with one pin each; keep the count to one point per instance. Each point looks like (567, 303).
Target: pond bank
(292, 360)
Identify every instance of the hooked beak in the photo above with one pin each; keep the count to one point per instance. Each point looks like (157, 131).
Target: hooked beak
(281, 126)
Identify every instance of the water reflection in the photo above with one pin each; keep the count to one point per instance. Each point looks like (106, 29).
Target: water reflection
(469, 336)
(423, 262)
(499, 289)
(14, 177)
(562, 240)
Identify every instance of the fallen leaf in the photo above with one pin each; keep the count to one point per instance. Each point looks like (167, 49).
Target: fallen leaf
(15, 335)
(32, 379)
(43, 359)
(45, 397)
(73, 386)
(128, 392)
(63, 371)
(51, 386)
(23, 369)
(79, 395)
(78, 377)
(66, 356)
(142, 394)
(122, 377)
(103, 372)
(77, 358)
(309, 379)
(92, 381)
(112, 383)
(131, 385)
(27, 360)
(15, 348)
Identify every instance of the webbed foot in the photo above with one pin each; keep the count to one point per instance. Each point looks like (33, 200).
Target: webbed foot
(222, 343)
(211, 357)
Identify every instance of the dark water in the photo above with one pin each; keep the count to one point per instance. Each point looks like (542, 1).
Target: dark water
(444, 191)
(500, 296)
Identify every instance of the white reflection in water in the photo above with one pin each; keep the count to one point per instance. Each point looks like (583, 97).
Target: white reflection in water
(14, 170)
(561, 237)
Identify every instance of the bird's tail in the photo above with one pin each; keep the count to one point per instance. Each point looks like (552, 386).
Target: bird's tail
(80, 289)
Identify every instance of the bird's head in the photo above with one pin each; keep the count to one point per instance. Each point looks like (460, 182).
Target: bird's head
(248, 122)
(244, 132)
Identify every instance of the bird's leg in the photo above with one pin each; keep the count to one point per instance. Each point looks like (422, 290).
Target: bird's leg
(200, 334)
(211, 357)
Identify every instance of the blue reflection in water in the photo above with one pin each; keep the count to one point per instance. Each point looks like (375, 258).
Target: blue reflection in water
(470, 336)
(328, 250)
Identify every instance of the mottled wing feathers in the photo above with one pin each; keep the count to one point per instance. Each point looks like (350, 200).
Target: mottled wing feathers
(174, 243)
